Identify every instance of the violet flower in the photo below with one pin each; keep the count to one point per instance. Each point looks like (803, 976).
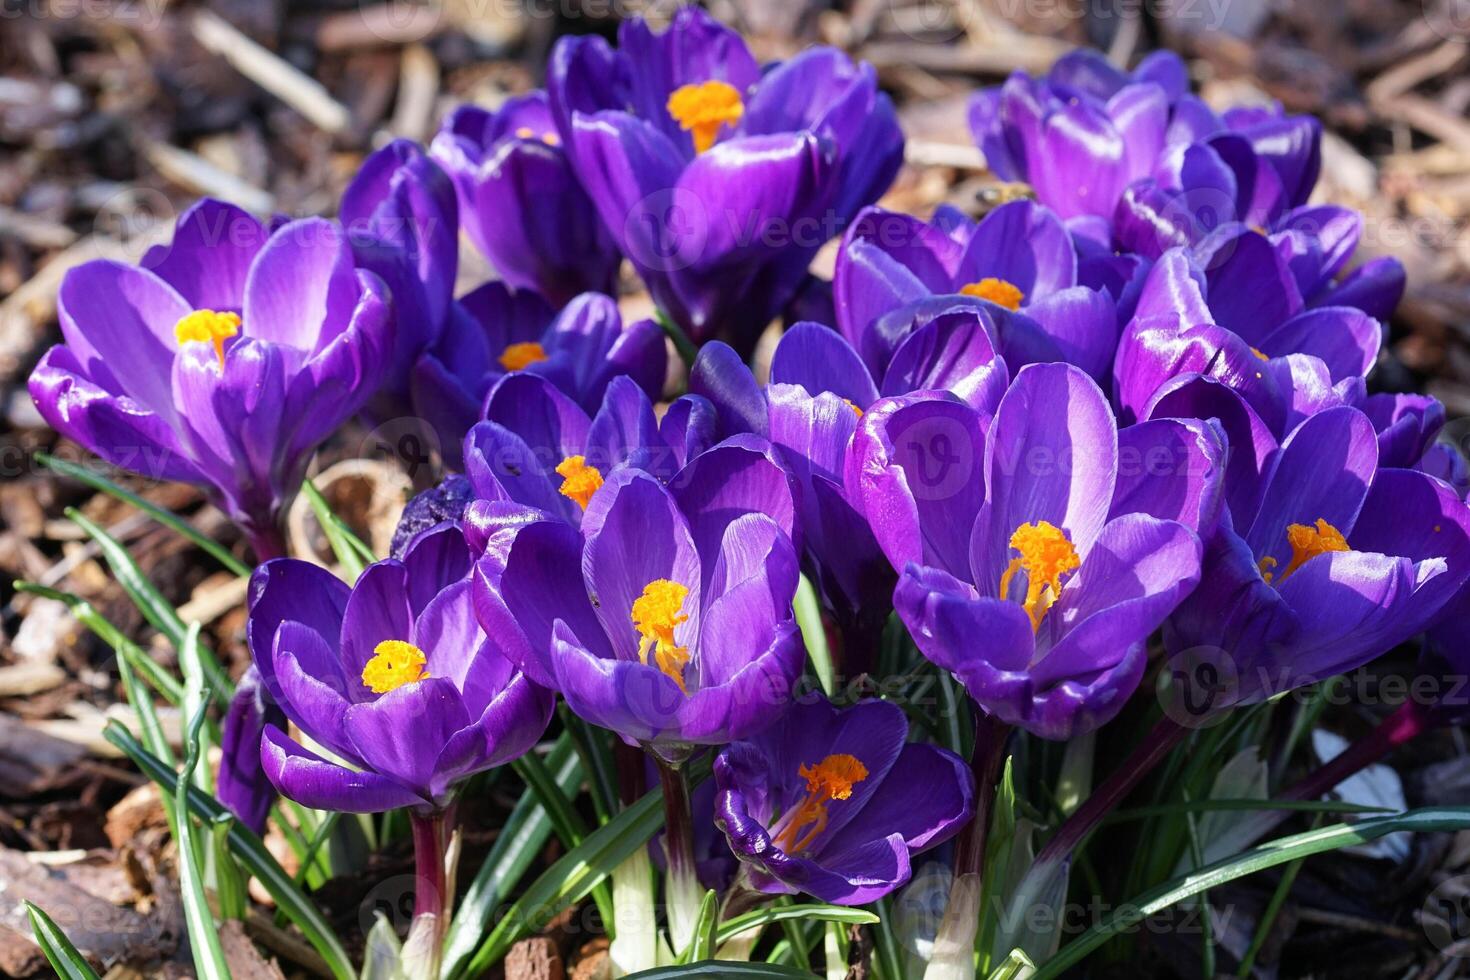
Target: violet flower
(1240, 319)
(720, 181)
(579, 350)
(667, 616)
(520, 203)
(1039, 551)
(1017, 271)
(224, 359)
(834, 801)
(393, 677)
(243, 786)
(538, 449)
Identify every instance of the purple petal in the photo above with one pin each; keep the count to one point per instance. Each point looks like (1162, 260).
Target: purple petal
(819, 359)
(302, 287)
(210, 255)
(312, 781)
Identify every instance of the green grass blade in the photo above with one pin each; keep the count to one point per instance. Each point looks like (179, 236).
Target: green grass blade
(760, 918)
(808, 610)
(1269, 855)
(573, 877)
(209, 956)
(249, 851)
(163, 516)
(351, 553)
(150, 602)
(702, 946)
(525, 833)
(723, 970)
(568, 823)
(60, 953)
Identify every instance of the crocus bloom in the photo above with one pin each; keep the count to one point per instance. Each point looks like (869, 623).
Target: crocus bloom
(403, 224)
(1239, 317)
(834, 801)
(579, 350)
(1060, 540)
(718, 181)
(667, 616)
(520, 203)
(243, 786)
(1327, 561)
(537, 448)
(1016, 270)
(392, 676)
(224, 360)
(818, 391)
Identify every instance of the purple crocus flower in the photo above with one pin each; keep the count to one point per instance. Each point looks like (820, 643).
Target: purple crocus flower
(1017, 271)
(224, 359)
(1239, 317)
(720, 181)
(1061, 540)
(243, 786)
(819, 389)
(403, 224)
(393, 677)
(667, 616)
(1327, 560)
(521, 204)
(536, 447)
(504, 332)
(835, 801)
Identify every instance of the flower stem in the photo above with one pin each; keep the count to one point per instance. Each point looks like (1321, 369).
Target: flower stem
(954, 944)
(267, 541)
(431, 898)
(682, 894)
(1156, 745)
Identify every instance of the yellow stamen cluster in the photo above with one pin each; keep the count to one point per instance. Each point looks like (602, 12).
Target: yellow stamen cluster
(549, 138)
(655, 614)
(852, 405)
(1307, 542)
(831, 779)
(394, 663)
(579, 481)
(1046, 555)
(519, 356)
(702, 109)
(208, 327)
(997, 291)
(1259, 354)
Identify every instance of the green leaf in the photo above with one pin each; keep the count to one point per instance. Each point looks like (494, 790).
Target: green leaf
(209, 956)
(1016, 966)
(163, 516)
(1268, 855)
(570, 826)
(760, 918)
(351, 553)
(525, 833)
(702, 946)
(723, 970)
(886, 954)
(814, 634)
(150, 602)
(60, 953)
(250, 852)
(161, 680)
(686, 349)
(573, 877)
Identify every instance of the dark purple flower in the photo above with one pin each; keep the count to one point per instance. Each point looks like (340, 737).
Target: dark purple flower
(503, 332)
(1059, 539)
(243, 786)
(1016, 272)
(667, 616)
(224, 360)
(1326, 561)
(720, 181)
(403, 224)
(1240, 319)
(835, 801)
(393, 677)
(520, 203)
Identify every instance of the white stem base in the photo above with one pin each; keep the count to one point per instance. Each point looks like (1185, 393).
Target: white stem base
(954, 946)
(635, 944)
(683, 897)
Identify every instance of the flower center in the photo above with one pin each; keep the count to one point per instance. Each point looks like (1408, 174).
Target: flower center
(1307, 542)
(579, 481)
(549, 138)
(207, 326)
(702, 109)
(1046, 555)
(516, 357)
(831, 779)
(394, 664)
(655, 614)
(998, 291)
